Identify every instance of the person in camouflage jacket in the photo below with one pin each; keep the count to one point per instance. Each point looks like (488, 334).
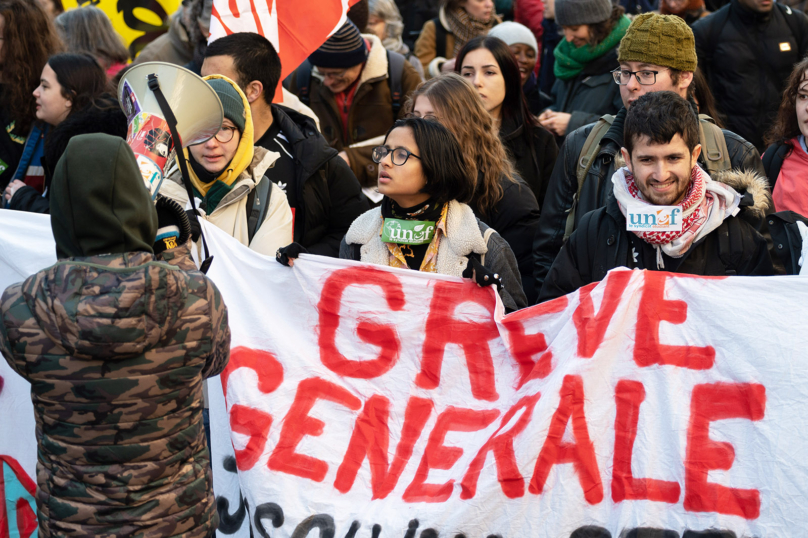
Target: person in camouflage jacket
(116, 346)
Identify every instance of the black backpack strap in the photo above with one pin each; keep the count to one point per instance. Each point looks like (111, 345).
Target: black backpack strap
(395, 70)
(257, 205)
(440, 38)
(773, 161)
(304, 82)
(791, 21)
(356, 253)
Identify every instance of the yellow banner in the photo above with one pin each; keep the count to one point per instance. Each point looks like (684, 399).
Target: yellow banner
(138, 21)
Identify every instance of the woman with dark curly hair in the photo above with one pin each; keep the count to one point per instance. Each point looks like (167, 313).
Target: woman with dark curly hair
(786, 159)
(28, 39)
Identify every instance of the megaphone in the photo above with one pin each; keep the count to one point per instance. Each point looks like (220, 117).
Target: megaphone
(194, 104)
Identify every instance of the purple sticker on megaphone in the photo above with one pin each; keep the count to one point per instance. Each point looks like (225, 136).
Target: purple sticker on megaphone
(129, 102)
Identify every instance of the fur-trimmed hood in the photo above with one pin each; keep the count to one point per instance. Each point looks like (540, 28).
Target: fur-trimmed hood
(462, 238)
(756, 195)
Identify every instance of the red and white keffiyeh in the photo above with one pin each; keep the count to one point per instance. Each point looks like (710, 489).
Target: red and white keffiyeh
(706, 205)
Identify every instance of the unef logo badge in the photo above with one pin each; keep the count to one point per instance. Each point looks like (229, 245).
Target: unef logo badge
(17, 503)
(654, 218)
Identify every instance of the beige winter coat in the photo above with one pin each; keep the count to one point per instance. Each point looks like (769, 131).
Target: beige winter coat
(231, 214)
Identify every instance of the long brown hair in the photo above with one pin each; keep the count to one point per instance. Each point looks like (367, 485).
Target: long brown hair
(28, 40)
(462, 112)
(786, 126)
(88, 29)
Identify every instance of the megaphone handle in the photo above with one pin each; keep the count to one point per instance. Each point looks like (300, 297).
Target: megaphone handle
(171, 120)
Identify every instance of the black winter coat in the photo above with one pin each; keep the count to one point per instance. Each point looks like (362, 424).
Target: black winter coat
(515, 217)
(329, 196)
(534, 165)
(602, 243)
(104, 117)
(589, 95)
(747, 57)
(598, 186)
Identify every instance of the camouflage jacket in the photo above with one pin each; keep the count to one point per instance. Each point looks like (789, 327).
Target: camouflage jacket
(116, 348)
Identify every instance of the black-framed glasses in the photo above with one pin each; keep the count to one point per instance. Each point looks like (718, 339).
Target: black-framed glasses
(645, 77)
(428, 117)
(225, 134)
(399, 156)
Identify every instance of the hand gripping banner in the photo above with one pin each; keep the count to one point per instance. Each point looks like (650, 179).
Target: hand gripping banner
(362, 401)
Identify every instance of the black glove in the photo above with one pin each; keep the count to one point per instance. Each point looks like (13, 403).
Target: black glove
(290, 251)
(480, 274)
(196, 228)
(172, 223)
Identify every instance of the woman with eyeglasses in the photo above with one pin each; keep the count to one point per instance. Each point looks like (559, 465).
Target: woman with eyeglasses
(584, 89)
(424, 222)
(226, 169)
(501, 199)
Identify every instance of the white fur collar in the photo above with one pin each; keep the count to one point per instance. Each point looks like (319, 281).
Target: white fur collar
(462, 238)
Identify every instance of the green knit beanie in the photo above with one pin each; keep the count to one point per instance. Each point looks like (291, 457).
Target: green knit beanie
(232, 104)
(664, 40)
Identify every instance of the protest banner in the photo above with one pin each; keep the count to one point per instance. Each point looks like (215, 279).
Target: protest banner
(367, 401)
(139, 22)
(295, 28)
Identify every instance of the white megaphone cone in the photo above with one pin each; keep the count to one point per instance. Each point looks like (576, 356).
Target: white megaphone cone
(195, 106)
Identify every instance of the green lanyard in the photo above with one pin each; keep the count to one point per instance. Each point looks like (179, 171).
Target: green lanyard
(408, 232)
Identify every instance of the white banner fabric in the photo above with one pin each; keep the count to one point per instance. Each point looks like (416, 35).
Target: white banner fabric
(368, 401)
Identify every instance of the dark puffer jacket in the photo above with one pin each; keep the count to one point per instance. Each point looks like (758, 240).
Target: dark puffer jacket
(104, 116)
(602, 243)
(116, 346)
(747, 57)
(515, 217)
(330, 193)
(590, 94)
(598, 186)
(534, 164)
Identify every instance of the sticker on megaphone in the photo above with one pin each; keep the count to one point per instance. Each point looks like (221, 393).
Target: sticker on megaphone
(150, 139)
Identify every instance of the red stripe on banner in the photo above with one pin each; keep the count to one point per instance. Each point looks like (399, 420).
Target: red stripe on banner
(218, 17)
(591, 328)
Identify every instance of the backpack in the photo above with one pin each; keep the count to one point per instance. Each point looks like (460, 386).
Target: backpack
(257, 206)
(711, 137)
(395, 69)
(773, 161)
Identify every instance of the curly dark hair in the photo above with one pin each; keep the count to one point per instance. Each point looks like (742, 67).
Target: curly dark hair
(29, 38)
(786, 126)
(601, 30)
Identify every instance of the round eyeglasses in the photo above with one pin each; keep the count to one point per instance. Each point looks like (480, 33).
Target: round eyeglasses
(399, 156)
(225, 134)
(645, 77)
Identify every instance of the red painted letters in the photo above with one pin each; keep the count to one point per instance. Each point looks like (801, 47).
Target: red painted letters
(710, 402)
(653, 309)
(581, 454)
(525, 346)
(628, 396)
(254, 423)
(438, 456)
(378, 334)
(371, 438)
(501, 444)
(263, 363)
(297, 424)
(591, 328)
(443, 328)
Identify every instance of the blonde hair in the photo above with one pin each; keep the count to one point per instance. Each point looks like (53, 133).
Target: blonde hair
(462, 112)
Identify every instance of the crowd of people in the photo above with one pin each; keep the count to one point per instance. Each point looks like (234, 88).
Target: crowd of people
(524, 145)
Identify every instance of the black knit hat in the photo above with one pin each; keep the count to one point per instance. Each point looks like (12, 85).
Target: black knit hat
(346, 48)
